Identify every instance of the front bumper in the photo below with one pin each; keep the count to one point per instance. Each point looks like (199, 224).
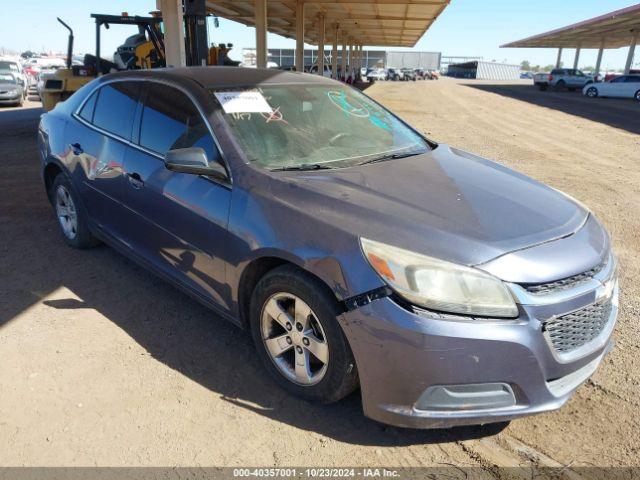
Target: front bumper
(403, 353)
(6, 99)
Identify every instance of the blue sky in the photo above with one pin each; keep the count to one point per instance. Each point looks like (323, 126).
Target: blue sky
(467, 27)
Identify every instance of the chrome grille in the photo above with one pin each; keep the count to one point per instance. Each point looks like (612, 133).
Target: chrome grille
(565, 283)
(573, 330)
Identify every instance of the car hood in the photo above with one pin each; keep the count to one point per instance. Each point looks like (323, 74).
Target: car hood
(446, 203)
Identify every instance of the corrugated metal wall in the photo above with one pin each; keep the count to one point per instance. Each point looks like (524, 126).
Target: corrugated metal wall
(497, 71)
(428, 60)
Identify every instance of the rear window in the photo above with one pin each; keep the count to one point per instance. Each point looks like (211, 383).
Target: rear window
(115, 108)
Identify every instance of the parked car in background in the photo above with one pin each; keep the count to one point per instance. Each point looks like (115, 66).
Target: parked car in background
(449, 288)
(611, 75)
(394, 74)
(420, 73)
(561, 78)
(41, 78)
(433, 75)
(624, 86)
(408, 74)
(526, 75)
(11, 89)
(379, 74)
(326, 70)
(13, 67)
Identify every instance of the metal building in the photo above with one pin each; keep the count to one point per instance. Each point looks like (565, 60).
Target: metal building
(427, 60)
(285, 57)
(478, 70)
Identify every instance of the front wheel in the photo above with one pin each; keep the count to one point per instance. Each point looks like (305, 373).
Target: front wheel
(637, 96)
(298, 338)
(592, 92)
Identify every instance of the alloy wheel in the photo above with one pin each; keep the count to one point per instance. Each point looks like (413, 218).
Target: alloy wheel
(294, 339)
(66, 212)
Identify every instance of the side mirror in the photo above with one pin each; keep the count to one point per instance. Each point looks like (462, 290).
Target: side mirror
(193, 160)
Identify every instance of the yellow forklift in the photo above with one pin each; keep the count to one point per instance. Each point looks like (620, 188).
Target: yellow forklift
(142, 50)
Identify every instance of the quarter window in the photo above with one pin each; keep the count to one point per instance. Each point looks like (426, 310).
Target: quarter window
(88, 108)
(115, 108)
(170, 120)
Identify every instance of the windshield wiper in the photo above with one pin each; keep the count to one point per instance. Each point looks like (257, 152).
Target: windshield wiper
(302, 167)
(392, 156)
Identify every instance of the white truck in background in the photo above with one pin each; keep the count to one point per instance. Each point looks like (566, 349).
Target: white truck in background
(561, 78)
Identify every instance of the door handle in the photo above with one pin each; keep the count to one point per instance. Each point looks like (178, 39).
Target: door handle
(135, 181)
(76, 148)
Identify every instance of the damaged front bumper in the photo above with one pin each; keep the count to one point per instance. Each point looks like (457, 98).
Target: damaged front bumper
(421, 369)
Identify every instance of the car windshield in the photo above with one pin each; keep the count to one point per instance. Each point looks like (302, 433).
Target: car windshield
(321, 126)
(7, 78)
(4, 65)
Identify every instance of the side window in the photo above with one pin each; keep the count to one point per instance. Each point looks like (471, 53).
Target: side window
(632, 79)
(87, 111)
(116, 107)
(618, 80)
(170, 120)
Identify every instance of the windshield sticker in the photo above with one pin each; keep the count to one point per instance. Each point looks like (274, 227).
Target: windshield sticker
(350, 107)
(243, 102)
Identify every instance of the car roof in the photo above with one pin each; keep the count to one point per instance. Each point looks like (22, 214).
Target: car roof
(225, 77)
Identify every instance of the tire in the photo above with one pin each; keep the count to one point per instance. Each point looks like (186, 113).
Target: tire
(592, 92)
(560, 85)
(543, 88)
(278, 291)
(71, 217)
(637, 96)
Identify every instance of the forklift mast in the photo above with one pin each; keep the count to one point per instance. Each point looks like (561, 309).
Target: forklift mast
(196, 40)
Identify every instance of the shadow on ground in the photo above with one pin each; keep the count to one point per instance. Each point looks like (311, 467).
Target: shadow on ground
(618, 113)
(172, 327)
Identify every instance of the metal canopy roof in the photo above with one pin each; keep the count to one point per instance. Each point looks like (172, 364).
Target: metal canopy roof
(393, 23)
(615, 29)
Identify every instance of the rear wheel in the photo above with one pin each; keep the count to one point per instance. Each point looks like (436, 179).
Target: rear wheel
(298, 338)
(543, 88)
(560, 85)
(637, 96)
(72, 220)
(592, 92)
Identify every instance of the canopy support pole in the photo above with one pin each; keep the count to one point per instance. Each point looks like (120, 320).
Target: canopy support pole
(321, 44)
(343, 65)
(350, 58)
(599, 60)
(173, 36)
(577, 58)
(632, 51)
(300, 36)
(559, 60)
(334, 52)
(261, 33)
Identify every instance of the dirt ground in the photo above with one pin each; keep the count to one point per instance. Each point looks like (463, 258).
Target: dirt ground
(105, 364)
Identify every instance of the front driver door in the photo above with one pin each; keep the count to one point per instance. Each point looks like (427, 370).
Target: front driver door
(177, 221)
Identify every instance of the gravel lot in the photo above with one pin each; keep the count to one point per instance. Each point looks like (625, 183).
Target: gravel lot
(105, 364)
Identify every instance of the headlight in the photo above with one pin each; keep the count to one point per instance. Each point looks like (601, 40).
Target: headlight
(440, 285)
